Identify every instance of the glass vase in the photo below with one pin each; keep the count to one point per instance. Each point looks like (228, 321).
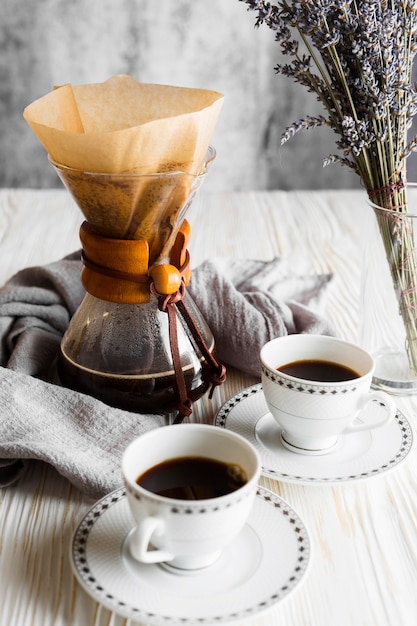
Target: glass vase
(388, 308)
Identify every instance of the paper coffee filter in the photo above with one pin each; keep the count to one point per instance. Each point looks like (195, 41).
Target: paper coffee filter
(124, 126)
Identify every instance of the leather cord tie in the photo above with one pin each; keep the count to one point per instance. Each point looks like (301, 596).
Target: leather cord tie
(166, 303)
(217, 370)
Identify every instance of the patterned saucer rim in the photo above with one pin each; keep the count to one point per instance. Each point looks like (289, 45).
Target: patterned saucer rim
(303, 476)
(290, 573)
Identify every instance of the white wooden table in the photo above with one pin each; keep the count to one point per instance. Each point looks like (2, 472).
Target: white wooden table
(364, 534)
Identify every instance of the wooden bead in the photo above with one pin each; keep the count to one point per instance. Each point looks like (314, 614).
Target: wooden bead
(166, 278)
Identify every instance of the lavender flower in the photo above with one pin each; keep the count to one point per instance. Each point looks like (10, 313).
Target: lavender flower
(358, 60)
(303, 124)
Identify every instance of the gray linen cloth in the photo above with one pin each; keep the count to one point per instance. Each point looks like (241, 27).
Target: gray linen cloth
(245, 302)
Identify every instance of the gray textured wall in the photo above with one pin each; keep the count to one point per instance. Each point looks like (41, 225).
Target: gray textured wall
(197, 43)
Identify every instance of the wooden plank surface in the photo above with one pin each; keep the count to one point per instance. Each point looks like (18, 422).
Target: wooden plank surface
(364, 535)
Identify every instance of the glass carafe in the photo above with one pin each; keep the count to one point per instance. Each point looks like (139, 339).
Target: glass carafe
(121, 343)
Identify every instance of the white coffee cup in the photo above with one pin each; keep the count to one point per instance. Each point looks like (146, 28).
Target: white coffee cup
(187, 534)
(312, 414)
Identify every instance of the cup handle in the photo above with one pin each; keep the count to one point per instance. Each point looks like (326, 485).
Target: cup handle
(384, 400)
(141, 538)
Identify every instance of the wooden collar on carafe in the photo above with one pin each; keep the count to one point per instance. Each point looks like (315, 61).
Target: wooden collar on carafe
(117, 270)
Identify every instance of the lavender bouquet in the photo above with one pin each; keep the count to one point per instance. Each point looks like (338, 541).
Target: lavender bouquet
(356, 56)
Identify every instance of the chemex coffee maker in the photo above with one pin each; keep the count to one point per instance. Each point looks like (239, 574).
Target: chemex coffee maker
(137, 340)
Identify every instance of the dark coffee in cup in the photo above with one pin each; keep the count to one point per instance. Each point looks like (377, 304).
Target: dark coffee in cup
(192, 478)
(208, 479)
(319, 371)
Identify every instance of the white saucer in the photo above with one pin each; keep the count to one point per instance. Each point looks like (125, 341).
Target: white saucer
(356, 456)
(259, 568)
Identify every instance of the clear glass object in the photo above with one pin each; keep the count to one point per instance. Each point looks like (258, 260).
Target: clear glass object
(388, 311)
(118, 352)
